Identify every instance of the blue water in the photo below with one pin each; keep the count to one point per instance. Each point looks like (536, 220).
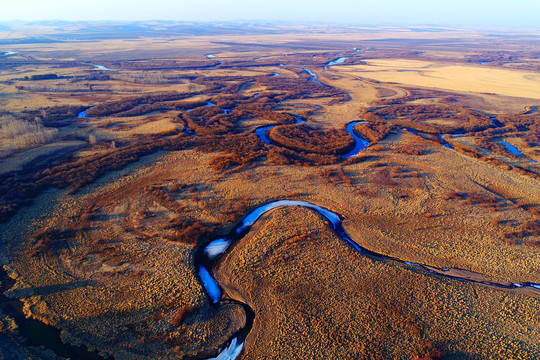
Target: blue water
(216, 247)
(496, 122)
(336, 61)
(261, 133)
(102, 67)
(514, 150)
(314, 76)
(82, 115)
(231, 352)
(257, 213)
(360, 143)
(210, 284)
(444, 142)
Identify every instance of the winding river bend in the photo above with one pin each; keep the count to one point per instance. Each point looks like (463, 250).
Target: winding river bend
(102, 67)
(359, 143)
(336, 61)
(208, 256)
(313, 77)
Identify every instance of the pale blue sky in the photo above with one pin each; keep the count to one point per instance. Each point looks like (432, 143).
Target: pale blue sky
(525, 13)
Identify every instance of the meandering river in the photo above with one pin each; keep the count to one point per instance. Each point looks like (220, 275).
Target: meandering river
(215, 249)
(359, 143)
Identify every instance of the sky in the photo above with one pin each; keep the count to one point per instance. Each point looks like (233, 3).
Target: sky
(498, 13)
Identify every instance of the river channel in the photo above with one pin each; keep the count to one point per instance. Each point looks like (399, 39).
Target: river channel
(209, 255)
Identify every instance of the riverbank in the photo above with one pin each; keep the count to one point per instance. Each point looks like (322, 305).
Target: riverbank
(302, 280)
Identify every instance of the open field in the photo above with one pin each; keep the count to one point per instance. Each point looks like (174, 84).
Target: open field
(115, 176)
(480, 79)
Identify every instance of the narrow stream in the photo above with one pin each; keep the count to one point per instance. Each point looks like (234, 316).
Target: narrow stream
(513, 150)
(102, 67)
(496, 122)
(82, 115)
(359, 143)
(261, 131)
(313, 77)
(336, 61)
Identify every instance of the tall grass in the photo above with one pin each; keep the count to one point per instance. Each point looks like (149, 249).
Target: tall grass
(19, 134)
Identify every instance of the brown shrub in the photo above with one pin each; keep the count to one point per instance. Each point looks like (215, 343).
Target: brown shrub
(188, 232)
(383, 177)
(454, 195)
(335, 177)
(410, 149)
(182, 314)
(374, 132)
(531, 243)
(177, 187)
(223, 162)
(282, 156)
(532, 227)
(305, 138)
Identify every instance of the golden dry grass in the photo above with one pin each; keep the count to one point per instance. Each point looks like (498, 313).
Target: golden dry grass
(125, 275)
(315, 297)
(451, 77)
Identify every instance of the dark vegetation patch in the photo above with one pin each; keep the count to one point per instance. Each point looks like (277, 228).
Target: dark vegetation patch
(283, 156)
(417, 117)
(374, 132)
(119, 106)
(56, 116)
(307, 139)
(335, 176)
(188, 232)
(41, 77)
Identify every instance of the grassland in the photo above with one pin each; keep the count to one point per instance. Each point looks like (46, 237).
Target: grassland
(103, 222)
(461, 78)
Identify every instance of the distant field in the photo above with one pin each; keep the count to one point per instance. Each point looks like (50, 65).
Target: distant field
(451, 77)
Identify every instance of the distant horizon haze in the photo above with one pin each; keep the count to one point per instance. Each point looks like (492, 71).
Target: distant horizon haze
(480, 13)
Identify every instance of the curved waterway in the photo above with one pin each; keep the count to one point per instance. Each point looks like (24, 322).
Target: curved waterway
(359, 143)
(261, 131)
(208, 255)
(82, 115)
(313, 77)
(102, 67)
(217, 248)
(339, 60)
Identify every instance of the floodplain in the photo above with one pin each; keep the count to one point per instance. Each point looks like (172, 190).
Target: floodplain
(130, 167)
